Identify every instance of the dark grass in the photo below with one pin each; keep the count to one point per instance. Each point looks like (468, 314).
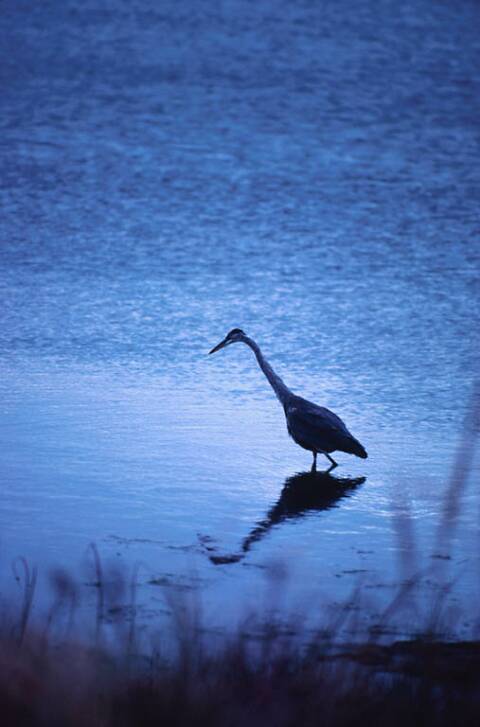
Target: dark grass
(411, 682)
(266, 674)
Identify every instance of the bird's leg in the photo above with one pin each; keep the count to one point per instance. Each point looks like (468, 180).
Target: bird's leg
(334, 464)
(314, 463)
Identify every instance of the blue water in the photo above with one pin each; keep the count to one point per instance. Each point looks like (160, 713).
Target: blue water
(307, 171)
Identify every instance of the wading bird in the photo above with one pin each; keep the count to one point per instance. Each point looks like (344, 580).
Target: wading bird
(312, 427)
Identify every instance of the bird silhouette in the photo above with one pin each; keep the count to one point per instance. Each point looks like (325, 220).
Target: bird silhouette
(302, 493)
(313, 427)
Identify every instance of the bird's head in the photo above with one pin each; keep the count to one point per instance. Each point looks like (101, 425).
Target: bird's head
(235, 335)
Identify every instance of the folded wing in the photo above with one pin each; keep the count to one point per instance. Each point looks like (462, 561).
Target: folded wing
(319, 429)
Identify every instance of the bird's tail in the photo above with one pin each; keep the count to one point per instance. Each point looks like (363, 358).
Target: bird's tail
(354, 447)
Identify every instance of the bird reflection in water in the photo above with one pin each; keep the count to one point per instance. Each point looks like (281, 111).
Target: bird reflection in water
(302, 493)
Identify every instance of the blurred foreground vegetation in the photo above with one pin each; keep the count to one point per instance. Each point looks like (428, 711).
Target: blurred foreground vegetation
(416, 682)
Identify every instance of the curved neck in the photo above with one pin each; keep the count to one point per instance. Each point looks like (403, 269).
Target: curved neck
(282, 392)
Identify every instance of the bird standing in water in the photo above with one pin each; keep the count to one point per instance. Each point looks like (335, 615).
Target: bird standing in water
(312, 427)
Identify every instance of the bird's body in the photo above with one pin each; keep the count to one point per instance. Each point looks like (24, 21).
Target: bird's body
(318, 429)
(312, 427)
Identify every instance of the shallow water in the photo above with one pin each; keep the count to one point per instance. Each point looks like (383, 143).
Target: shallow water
(169, 172)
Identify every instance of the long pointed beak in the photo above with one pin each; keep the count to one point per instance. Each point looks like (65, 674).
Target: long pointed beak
(220, 345)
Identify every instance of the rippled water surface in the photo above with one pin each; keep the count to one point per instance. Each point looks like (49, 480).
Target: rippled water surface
(307, 171)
